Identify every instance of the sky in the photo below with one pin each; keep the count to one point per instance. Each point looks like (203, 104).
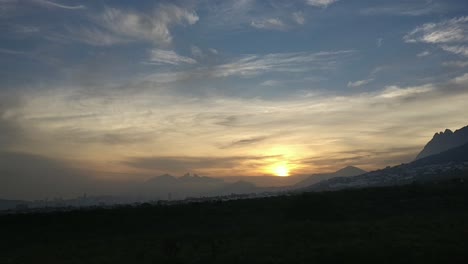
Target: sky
(124, 90)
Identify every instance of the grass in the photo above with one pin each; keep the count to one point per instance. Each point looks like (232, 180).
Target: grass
(406, 224)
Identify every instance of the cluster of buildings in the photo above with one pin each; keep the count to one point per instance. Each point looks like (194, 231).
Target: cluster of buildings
(399, 175)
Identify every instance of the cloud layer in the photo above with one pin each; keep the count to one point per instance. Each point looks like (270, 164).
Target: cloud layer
(136, 89)
(451, 35)
(115, 25)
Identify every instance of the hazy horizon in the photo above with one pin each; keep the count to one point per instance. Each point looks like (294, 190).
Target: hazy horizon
(121, 91)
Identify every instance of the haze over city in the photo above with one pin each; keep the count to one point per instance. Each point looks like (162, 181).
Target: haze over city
(121, 91)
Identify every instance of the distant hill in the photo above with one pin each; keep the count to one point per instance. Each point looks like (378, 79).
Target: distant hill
(443, 141)
(445, 165)
(266, 181)
(272, 183)
(11, 204)
(189, 185)
(344, 172)
(239, 187)
(349, 171)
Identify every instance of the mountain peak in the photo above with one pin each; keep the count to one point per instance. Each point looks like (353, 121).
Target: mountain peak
(347, 171)
(350, 171)
(162, 178)
(443, 141)
(190, 175)
(447, 132)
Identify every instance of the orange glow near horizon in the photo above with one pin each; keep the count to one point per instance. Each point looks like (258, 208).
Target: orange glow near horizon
(281, 170)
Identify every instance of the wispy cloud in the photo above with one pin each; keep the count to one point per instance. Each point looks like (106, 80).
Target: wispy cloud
(160, 56)
(281, 62)
(253, 65)
(403, 9)
(320, 3)
(21, 29)
(12, 52)
(7, 8)
(95, 37)
(248, 142)
(269, 23)
(379, 42)
(399, 92)
(359, 83)
(299, 18)
(151, 27)
(51, 4)
(450, 35)
(423, 54)
(114, 26)
(459, 64)
(196, 51)
(270, 83)
(213, 51)
(459, 49)
(447, 31)
(180, 164)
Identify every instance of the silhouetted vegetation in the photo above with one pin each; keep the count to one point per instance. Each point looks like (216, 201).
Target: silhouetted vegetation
(406, 224)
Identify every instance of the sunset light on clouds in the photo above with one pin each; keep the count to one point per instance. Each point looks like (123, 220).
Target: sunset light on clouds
(128, 90)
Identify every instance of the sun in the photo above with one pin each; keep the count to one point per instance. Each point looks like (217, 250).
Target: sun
(281, 170)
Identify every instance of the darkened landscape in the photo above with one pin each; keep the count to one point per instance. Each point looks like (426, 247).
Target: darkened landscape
(408, 224)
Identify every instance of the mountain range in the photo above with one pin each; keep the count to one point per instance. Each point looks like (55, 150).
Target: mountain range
(344, 172)
(443, 141)
(189, 185)
(449, 164)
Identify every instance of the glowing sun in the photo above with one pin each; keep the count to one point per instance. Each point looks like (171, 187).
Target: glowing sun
(281, 170)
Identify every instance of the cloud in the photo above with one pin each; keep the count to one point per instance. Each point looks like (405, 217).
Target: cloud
(246, 142)
(299, 18)
(450, 35)
(320, 3)
(360, 83)
(114, 26)
(269, 23)
(12, 131)
(253, 65)
(196, 51)
(33, 55)
(270, 83)
(7, 8)
(164, 129)
(460, 50)
(213, 51)
(280, 62)
(160, 56)
(403, 9)
(454, 30)
(109, 137)
(379, 42)
(12, 52)
(51, 4)
(181, 164)
(363, 157)
(461, 80)
(423, 54)
(396, 91)
(96, 37)
(458, 64)
(21, 29)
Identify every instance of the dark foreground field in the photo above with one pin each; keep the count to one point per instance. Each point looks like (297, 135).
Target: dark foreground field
(412, 224)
